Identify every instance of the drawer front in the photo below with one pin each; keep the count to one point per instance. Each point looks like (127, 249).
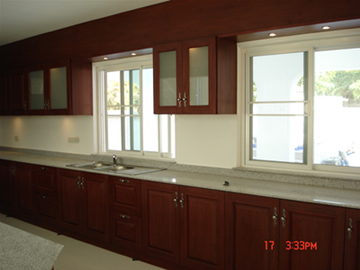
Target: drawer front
(45, 178)
(125, 231)
(125, 195)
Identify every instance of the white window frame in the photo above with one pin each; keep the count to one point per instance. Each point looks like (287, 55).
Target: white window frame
(100, 113)
(341, 39)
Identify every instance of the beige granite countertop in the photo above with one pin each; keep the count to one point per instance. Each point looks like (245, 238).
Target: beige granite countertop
(343, 197)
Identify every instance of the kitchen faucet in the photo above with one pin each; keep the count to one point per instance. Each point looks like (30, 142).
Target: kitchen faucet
(114, 160)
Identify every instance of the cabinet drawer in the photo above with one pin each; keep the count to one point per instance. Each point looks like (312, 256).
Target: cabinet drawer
(125, 195)
(46, 197)
(125, 231)
(45, 178)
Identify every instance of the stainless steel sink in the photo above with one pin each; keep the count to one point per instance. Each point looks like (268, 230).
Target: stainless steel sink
(110, 168)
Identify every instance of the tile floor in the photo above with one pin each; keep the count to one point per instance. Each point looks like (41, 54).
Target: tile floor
(77, 255)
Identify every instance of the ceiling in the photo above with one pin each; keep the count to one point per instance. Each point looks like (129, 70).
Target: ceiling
(20, 19)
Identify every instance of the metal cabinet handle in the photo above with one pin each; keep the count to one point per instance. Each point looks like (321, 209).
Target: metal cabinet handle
(179, 99)
(176, 200)
(124, 181)
(350, 228)
(78, 182)
(182, 201)
(274, 217)
(124, 216)
(184, 99)
(44, 168)
(283, 218)
(44, 197)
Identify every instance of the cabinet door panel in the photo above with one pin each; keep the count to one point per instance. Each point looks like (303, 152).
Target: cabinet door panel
(125, 195)
(352, 240)
(249, 221)
(321, 226)
(96, 206)
(37, 89)
(161, 221)
(202, 228)
(70, 200)
(6, 188)
(126, 231)
(45, 178)
(24, 189)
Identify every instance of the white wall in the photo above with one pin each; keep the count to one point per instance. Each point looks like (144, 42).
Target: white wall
(48, 133)
(204, 140)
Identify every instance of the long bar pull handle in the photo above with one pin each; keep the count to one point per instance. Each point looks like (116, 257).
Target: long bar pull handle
(182, 201)
(274, 217)
(283, 218)
(176, 200)
(350, 228)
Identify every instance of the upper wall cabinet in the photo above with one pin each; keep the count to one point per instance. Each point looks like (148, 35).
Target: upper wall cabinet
(64, 88)
(195, 77)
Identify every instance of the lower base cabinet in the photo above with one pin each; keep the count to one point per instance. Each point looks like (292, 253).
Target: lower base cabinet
(84, 204)
(265, 233)
(352, 240)
(184, 225)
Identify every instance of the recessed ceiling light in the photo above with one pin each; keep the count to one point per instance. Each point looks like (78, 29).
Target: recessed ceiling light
(105, 58)
(326, 27)
(272, 35)
(133, 54)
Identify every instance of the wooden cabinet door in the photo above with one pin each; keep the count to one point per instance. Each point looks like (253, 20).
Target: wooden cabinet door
(6, 187)
(201, 228)
(161, 221)
(168, 82)
(311, 236)
(18, 103)
(352, 240)
(4, 94)
(70, 201)
(199, 72)
(96, 212)
(24, 191)
(252, 232)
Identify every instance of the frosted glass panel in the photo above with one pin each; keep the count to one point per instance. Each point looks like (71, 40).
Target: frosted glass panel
(36, 90)
(58, 87)
(167, 78)
(199, 76)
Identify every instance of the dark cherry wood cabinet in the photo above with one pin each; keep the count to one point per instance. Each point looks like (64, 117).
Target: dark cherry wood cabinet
(13, 93)
(252, 232)
(24, 204)
(84, 204)
(184, 225)
(46, 197)
(195, 77)
(352, 240)
(6, 187)
(125, 215)
(311, 236)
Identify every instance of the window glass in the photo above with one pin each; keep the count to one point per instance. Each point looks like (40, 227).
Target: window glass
(337, 107)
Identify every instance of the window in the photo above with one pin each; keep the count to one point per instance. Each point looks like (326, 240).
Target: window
(126, 120)
(302, 102)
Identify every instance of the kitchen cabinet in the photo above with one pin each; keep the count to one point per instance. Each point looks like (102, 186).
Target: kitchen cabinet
(49, 89)
(46, 199)
(12, 93)
(22, 177)
(352, 240)
(125, 215)
(250, 221)
(6, 187)
(195, 77)
(311, 236)
(184, 225)
(266, 233)
(63, 88)
(84, 204)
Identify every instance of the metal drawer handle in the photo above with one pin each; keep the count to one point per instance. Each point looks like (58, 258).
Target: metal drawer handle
(124, 216)
(124, 181)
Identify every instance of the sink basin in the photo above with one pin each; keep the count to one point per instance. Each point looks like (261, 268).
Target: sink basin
(110, 168)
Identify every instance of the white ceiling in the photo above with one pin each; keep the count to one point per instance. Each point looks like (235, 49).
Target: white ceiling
(20, 19)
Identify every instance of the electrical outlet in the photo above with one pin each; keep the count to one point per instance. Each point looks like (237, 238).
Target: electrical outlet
(73, 139)
(16, 138)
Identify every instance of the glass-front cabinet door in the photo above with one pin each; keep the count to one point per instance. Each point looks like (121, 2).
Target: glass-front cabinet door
(48, 88)
(167, 62)
(185, 77)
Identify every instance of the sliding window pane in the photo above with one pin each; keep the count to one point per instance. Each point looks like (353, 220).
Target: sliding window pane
(337, 108)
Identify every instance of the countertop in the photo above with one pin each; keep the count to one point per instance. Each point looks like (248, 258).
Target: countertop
(23, 250)
(342, 197)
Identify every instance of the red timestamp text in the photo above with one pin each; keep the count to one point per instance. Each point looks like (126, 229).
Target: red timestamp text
(293, 245)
